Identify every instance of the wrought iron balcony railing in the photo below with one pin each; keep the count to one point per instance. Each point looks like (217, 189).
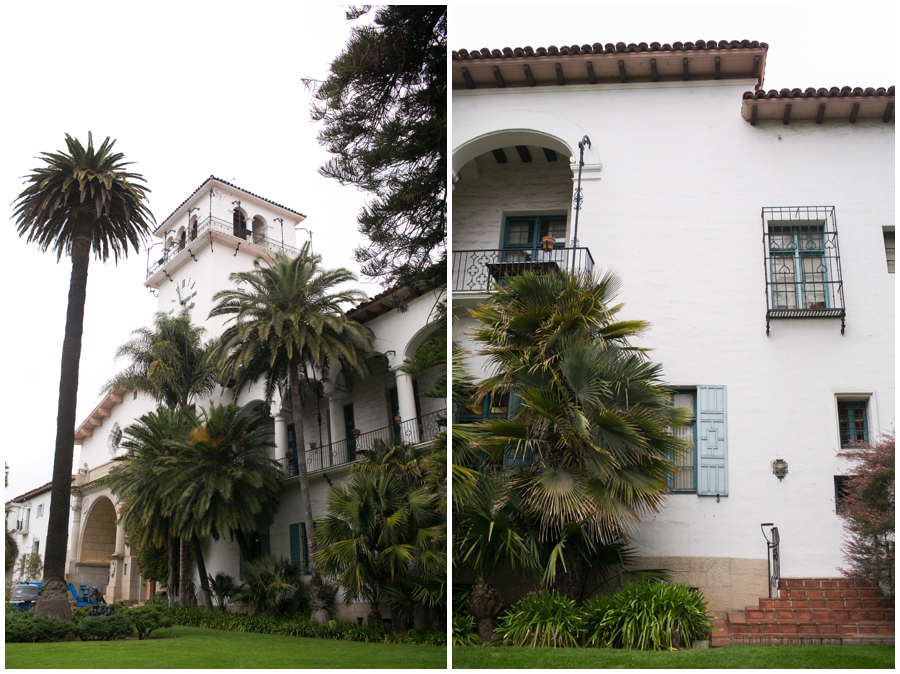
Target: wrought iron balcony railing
(213, 224)
(414, 431)
(481, 270)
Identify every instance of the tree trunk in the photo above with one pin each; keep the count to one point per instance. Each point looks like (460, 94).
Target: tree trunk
(61, 489)
(182, 573)
(201, 570)
(484, 603)
(172, 584)
(316, 586)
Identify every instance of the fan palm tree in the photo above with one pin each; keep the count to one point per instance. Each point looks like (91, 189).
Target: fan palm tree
(287, 318)
(590, 418)
(80, 201)
(170, 362)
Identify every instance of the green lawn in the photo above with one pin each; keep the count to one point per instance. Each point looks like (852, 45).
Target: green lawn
(728, 657)
(196, 648)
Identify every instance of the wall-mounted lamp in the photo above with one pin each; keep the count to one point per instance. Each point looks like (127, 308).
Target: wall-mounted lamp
(779, 468)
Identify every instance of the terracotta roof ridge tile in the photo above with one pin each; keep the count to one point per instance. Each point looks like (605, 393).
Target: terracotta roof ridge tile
(598, 48)
(810, 92)
(34, 492)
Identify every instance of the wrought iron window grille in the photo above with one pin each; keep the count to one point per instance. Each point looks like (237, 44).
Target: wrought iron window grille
(803, 263)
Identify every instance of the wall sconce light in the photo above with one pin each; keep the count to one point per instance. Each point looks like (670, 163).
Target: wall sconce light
(779, 468)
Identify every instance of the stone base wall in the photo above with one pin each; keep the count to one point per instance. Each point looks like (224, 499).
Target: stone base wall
(727, 583)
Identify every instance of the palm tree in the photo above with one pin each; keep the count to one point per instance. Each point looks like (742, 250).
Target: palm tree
(152, 446)
(590, 422)
(289, 317)
(170, 362)
(226, 483)
(80, 201)
(384, 536)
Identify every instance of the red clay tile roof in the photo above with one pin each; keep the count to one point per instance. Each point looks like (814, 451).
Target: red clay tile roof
(833, 92)
(34, 492)
(225, 182)
(609, 48)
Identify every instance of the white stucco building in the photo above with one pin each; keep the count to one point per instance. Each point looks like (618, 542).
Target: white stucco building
(220, 229)
(27, 516)
(754, 230)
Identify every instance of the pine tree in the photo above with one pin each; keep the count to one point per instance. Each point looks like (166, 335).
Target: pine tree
(384, 106)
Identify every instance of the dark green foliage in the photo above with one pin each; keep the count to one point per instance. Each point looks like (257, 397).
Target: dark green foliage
(22, 627)
(146, 619)
(152, 561)
(300, 626)
(222, 587)
(546, 619)
(653, 616)
(384, 106)
(465, 631)
(593, 611)
(105, 627)
(272, 587)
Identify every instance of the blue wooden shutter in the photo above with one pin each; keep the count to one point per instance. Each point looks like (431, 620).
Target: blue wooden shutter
(240, 564)
(295, 544)
(264, 544)
(712, 442)
(305, 544)
(511, 457)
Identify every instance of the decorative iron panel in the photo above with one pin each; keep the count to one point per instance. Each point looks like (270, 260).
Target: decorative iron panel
(803, 263)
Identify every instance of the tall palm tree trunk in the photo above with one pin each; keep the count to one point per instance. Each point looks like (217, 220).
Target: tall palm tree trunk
(54, 596)
(182, 573)
(316, 587)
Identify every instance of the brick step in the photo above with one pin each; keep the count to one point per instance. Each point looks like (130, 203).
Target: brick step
(803, 640)
(822, 583)
(804, 627)
(819, 614)
(825, 603)
(830, 593)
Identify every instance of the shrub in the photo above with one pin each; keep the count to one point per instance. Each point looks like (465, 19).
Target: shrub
(25, 627)
(593, 611)
(868, 512)
(464, 632)
(105, 627)
(146, 619)
(654, 616)
(546, 619)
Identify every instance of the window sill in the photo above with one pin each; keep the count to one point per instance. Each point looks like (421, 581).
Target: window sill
(805, 313)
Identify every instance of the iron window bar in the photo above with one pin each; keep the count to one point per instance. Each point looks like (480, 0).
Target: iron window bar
(481, 270)
(802, 263)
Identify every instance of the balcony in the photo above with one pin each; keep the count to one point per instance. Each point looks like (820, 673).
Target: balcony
(481, 270)
(414, 431)
(215, 225)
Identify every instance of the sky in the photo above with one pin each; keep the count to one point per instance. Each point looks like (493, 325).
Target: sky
(194, 89)
(186, 93)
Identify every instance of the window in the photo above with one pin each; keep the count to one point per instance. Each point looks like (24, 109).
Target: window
(684, 479)
(36, 547)
(299, 546)
(259, 547)
(703, 469)
(853, 423)
(40, 510)
(799, 266)
(494, 406)
(840, 491)
(889, 249)
(523, 238)
(803, 271)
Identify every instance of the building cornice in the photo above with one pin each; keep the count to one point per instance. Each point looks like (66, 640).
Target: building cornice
(101, 411)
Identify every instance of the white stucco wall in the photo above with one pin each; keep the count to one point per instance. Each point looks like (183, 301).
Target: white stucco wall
(37, 526)
(675, 211)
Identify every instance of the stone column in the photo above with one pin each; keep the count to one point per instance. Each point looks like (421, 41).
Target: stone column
(337, 429)
(281, 436)
(75, 538)
(406, 397)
